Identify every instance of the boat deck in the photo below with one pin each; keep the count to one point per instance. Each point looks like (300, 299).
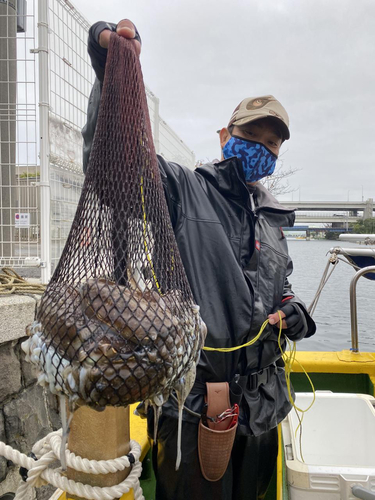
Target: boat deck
(344, 371)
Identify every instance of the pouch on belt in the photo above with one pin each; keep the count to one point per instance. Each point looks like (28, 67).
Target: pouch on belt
(215, 440)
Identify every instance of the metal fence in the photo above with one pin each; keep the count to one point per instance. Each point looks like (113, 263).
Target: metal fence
(71, 79)
(19, 177)
(46, 78)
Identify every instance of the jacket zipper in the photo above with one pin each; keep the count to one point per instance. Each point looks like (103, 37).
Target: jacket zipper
(273, 250)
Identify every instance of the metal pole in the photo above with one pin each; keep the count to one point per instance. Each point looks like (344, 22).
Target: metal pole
(369, 208)
(44, 140)
(353, 304)
(8, 102)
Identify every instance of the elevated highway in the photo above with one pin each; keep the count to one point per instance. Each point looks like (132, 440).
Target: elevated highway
(350, 207)
(322, 218)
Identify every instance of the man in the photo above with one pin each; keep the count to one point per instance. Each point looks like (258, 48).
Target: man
(229, 232)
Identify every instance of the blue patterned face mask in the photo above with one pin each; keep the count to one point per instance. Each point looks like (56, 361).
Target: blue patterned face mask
(257, 161)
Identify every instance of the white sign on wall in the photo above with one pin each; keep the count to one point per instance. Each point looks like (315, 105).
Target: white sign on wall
(22, 220)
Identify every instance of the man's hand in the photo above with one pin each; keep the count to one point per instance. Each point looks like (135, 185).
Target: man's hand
(126, 29)
(274, 319)
(293, 320)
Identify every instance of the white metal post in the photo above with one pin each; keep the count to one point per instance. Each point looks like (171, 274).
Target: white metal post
(45, 249)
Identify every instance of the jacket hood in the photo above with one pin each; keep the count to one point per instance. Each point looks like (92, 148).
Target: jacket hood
(227, 176)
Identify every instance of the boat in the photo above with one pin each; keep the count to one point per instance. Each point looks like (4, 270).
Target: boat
(359, 257)
(365, 239)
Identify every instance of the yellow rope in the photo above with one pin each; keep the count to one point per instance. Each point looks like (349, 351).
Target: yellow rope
(288, 358)
(148, 255)
(230, 349)
(12, 283)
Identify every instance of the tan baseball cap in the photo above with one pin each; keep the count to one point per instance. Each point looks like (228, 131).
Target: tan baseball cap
(255, 108)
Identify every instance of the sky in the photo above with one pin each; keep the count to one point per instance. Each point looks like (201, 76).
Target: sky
(317, 57)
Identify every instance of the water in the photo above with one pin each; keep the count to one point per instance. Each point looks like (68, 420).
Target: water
(332, 314)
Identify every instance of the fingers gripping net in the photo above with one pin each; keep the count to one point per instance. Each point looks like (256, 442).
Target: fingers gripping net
(117, 323)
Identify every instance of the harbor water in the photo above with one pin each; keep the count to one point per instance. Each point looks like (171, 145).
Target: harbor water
(332, 314)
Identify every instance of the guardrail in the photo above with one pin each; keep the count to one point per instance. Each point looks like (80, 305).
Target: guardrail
(353, 304)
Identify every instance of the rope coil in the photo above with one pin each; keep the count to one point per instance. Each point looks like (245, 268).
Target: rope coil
(11, 282)
(47, 451)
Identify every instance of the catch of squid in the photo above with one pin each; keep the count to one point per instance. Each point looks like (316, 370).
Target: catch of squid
(104, 344)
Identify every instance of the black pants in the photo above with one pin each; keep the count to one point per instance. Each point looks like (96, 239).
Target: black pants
(247, 477)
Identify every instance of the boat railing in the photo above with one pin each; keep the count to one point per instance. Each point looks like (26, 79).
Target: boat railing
(353, 304)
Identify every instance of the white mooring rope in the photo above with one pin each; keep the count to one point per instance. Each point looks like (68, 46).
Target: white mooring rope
(47, 451)
(333, 259)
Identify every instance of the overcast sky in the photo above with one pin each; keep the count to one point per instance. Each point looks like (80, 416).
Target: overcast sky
(202, 57)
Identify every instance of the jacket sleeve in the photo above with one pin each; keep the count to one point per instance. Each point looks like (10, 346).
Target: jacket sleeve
(88, 130)
(98, 54)
(170, 177)
(98, 57)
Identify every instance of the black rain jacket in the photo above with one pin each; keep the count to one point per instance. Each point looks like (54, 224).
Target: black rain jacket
(236, 259)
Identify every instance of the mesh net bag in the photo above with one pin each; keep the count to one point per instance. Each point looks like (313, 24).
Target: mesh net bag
(117, 323)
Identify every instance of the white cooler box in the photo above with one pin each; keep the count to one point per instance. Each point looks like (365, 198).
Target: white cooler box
(338, 446)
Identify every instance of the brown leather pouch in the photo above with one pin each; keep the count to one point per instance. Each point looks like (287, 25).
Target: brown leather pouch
(215, 442)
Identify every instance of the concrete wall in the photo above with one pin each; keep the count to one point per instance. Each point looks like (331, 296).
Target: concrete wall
(27, 412)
